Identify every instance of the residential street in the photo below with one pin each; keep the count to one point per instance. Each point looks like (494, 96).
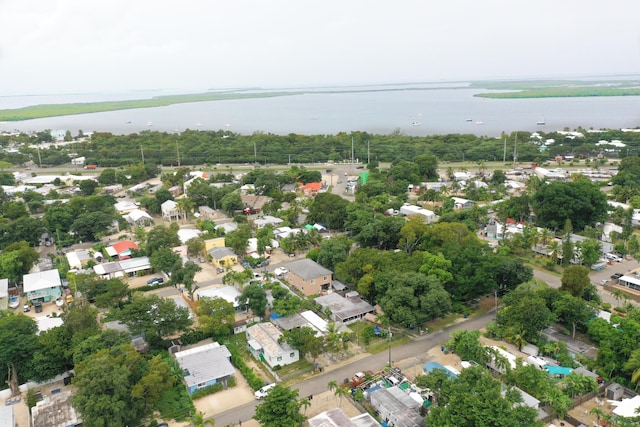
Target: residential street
(375, 362)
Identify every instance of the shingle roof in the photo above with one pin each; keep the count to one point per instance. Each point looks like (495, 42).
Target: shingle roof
(307, 269)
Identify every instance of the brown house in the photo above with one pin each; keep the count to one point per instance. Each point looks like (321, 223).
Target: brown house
(309, 277)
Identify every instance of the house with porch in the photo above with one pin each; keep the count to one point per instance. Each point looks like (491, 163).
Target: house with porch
(262, 341)
(170, 211)
(43, 286)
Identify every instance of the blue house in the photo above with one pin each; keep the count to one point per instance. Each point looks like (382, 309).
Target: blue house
(43, 286)
(205, 366)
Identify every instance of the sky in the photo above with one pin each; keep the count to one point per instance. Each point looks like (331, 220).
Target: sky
(78, 46)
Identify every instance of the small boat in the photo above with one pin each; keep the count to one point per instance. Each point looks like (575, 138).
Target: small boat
(198, 125)
(415, 123)
(14, 302)
(479, 122)
(149, 123)
(128, 122)
(469, 120)
(541, 122)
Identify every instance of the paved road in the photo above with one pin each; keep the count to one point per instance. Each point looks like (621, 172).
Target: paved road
(553, 279)
(375, 362)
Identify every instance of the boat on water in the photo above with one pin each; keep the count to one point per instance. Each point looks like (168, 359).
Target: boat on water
(149, 123)
(415, 123)
(198, 125)
(479, 122)
(469, 120)
(541, 122)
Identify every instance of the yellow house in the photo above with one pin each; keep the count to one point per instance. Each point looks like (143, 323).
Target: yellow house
(213, 243)
(222, 257)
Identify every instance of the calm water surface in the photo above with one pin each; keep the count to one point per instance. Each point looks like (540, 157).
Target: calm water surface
(414, 112)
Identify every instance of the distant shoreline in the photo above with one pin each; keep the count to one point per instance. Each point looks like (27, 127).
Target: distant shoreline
(499, 90)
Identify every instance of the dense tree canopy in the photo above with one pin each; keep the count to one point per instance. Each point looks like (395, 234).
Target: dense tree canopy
(579, 201)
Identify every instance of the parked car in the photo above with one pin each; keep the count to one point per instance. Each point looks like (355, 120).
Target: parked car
(219, 270)
(263, 391)
(155, 281)
(617, 276)
(280, 271)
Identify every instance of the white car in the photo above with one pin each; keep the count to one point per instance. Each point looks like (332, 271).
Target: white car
(263, 391)
(280, 271)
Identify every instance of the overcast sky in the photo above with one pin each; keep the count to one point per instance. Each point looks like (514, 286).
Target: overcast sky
(62, 46)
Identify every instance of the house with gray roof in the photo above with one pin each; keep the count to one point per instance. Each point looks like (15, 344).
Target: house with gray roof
(205, 366)
(345, 309)
(308, 277)
(396, 406)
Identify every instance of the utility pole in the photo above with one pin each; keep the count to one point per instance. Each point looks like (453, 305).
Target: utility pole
(515, 151)
(255, 154)
(352, 156)
(178, 152)
(389, 346)
(504, 153)
(39, 158)
(289, 160)
(142, 152)
(368, 153)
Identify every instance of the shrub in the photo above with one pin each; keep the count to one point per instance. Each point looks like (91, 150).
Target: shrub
(205, 391)
(254, 381)
(606, 306)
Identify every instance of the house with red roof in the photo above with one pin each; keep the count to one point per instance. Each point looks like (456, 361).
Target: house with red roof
(310, 189)
(122, 249)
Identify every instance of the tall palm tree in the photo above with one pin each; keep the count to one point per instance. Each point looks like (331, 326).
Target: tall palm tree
(185, 205)
(340, 392)
(618, 295)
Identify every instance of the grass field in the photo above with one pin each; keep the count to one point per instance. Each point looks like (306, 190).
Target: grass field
(54, 110)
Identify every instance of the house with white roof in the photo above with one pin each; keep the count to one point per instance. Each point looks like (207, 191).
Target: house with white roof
(78, 259)
(138, 217)
(267, 220)
(227, 293)
(125, 207)
(46, 323)
(205, 366)
(124, 267)
(186, 234)
(170, 211)
(43, 286)
(262, 341)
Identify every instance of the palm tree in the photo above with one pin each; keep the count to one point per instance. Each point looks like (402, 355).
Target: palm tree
(198, 420)
(340, 392)
(597, 412)
(554, 248)
(305, 403)
(518, 340)
(618, 295)
(185, 205)
(633, 364)
(332, 385)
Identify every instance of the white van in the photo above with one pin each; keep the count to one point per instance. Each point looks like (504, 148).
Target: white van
(263, 391)
(613, 257)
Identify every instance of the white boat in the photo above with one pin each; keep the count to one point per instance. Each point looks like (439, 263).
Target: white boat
(198, 125)
(149, 123)
(541, 122)
(415, 123)
(469, 120)
(479, 122)
(14, 302)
